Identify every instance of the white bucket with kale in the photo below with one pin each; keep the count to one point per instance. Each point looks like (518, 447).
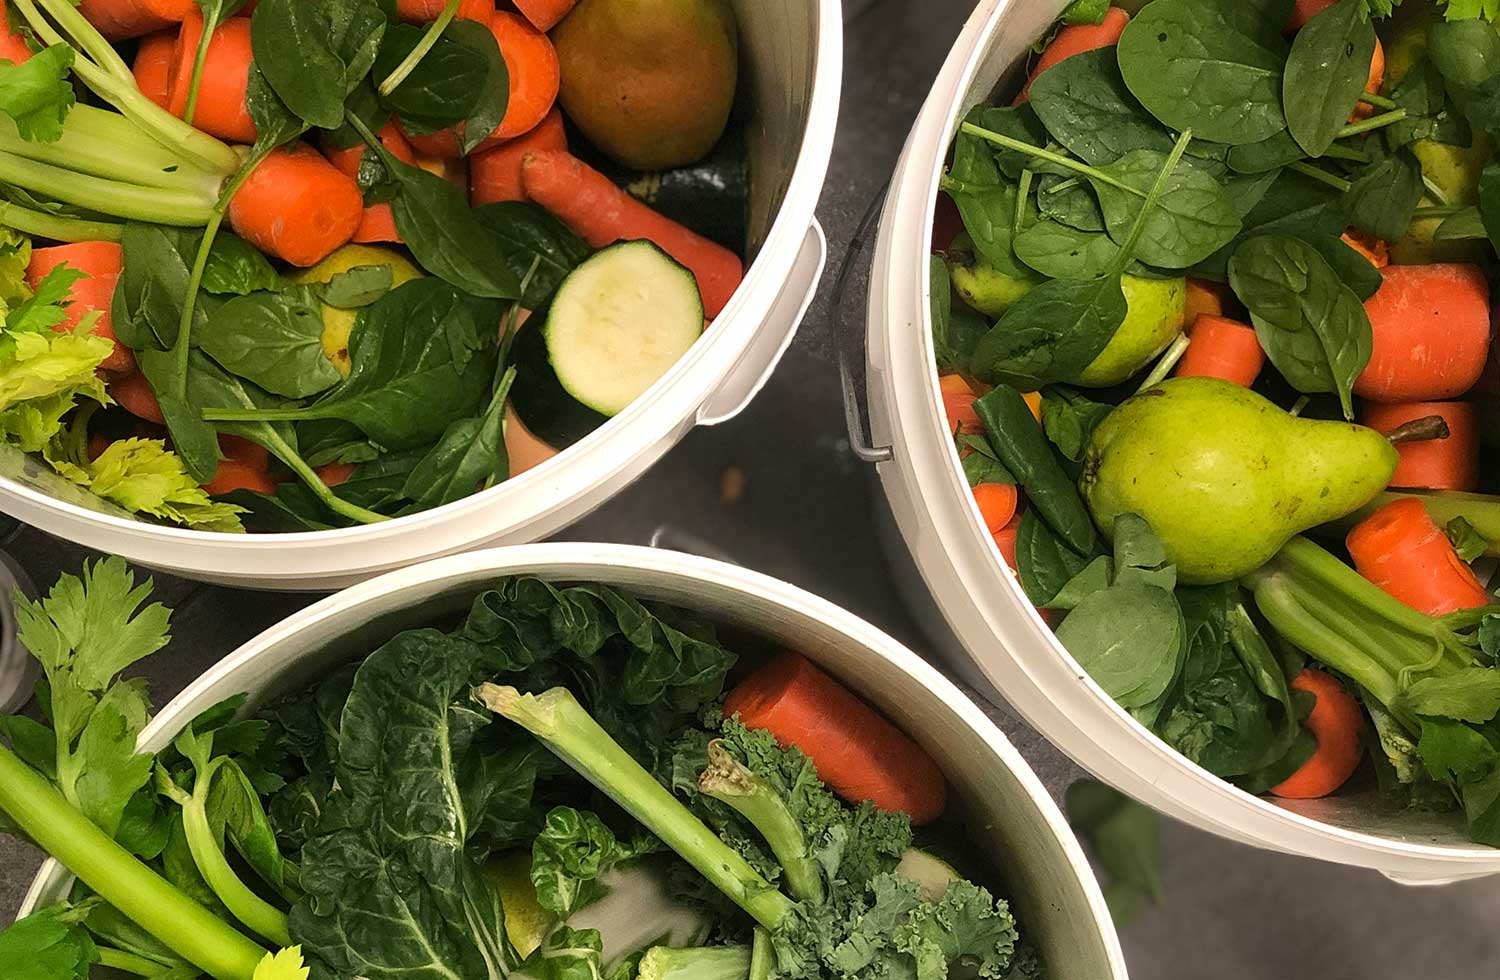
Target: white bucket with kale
(1160, 725)
(352, 405)
(457, 843)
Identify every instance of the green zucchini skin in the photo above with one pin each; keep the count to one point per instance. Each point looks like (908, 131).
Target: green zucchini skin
(553, 415)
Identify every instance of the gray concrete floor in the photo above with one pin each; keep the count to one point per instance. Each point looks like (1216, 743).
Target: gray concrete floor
(1232, 912)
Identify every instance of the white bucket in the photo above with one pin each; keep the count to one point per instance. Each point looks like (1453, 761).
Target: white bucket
(1018, 830)
(972, 605)
(792, 62)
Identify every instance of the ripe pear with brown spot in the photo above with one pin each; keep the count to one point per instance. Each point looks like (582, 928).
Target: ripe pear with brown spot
(1225, 477)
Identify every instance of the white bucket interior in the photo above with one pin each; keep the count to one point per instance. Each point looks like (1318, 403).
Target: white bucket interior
(791, 68)
(978, 613)
(1015, 828)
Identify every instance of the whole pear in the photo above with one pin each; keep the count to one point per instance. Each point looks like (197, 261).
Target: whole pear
(1225, 477)
(1156, 309)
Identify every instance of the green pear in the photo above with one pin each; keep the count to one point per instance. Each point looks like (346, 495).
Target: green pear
(982, 286)
(1157, 308)
(1225, 477)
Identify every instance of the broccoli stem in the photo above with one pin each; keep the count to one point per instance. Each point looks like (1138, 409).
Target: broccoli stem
(762, 956)
(699, 963)
(730, 782)
(187, 928)
(556, 717)
(58, 227)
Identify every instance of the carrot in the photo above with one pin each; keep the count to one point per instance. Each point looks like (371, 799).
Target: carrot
(1204, 298)
(121, 19)
(13, 47)
(426, 11)
(153, 67)
(1336, 722)
(959, 407)
(1376, 250)
(1432, 333)
(1077, 39)
(495, 174)
(590, 203)
(545, 14)
(244, 451)
(233, 475)
(1219, 347)
(1033, 400)
(101, 262)
(535, 77)
(1432, 464)
(378, 223)
(1401, 550)
(859, 754)
(526, 451)
(221, 108)
(134, 394)
(1304, 11)
(997, 504)
(1377, 78)
(297, 206)
(335, 474)
(1005, 540)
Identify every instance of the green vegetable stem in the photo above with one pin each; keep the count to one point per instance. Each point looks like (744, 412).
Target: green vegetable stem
(729, 781)
(702, 963)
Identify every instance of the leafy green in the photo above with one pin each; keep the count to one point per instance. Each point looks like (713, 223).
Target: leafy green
(538, 249)
(1062, 252)
(955, 332)
(1471, 695)
(314, 54)
(571, 853)
(443, 88)
(471, 455)
(1086, 107)
(144, 477)
(447, 238)
(38, 94)
(1045, 563)
(50, 944)
(1326, 72)
(236, 267)
(1385, 196)
(494, 90)
(1192, 220)
(1020, 444)
(274, 340)
(357, 287)
(1124, 837)
(1053, 332)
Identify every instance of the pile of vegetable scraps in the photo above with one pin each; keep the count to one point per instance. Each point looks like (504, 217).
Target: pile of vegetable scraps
(265, 266)
(556, 789)
(1211, 305)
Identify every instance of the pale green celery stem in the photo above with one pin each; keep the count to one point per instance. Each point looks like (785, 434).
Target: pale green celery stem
(762, 956)
(699, 963)
(574, 736)
(1308, 559)
(429, 40)
(106, 144)
(116, 959)
(252, 910)
(158, 205)
(187, 928)
(999, 139)
(730, 782)
(86, 37)
(59, 228)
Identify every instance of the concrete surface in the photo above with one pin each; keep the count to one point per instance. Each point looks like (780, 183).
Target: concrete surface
(1232, 912)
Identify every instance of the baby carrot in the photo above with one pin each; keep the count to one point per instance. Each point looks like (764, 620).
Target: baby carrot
(233, 475)
(1076, 39)
(1304, 11)
(121, 19)
(1005, 540)
(1336, 722)
(526, 451)
(297, 206)
(1222, 348)
(134, 394)
(495, 174)
(101, 263)
(997, 504)
(378, 224)
(1432, 464)
(426, 11)
(1376, 250)
(335, 474)
(545, 14)
(1401, 550)
(1377, 78)
(221, 108)
(591, 204)
(1432, 333)
(859, 754)
(153, 67)
(244, 451)
(1204, 298)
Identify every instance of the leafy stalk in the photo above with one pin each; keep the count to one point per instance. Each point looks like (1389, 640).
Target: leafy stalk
(1373, 123)
(143, 896)
(561, 723)
(730, 782)
(424, 46)
(58, 227)
(118, 959)
(1321, 176)
(702, 963)
(1040, 153)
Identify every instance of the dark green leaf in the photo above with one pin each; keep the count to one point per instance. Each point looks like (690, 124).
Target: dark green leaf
(538, 249)
(1086, 107)
(1052, 333)
(1385, 195)
(1193, 218)
(1326, 72)
(445, 236)
(470, 456)
(1465, 52)
(955, 333)
(1489, 201)
(1271, 153)
(194, 440)
(446, 84)
(1019, 123)
(238, 268)
(314, 54)
(153, 283)
(1044, 563)
(1351, 267)
(1070, 419)
(1069, 201)
(494, 91)
(1471, 695)
(357, 287)
(1061, 252)
(274, 340)
(1127, 638)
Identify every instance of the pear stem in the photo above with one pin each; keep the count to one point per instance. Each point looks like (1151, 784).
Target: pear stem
(1424, 429)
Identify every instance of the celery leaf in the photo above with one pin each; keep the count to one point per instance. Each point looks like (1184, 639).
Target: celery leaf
(38, 94)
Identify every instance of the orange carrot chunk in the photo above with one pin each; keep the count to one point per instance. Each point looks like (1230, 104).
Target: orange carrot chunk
(1401, 550)
(1204, 298)
(153, 67)
(378, 223)
(121, 19)
(233, 475)
(1076, 39)
(997, 504)
(101, 263)
(134, 394)
(1376, 250)
(1336, 722)
(859, 754)
(495, 174)
(244, 451)
(591, 204)
(1222, 348)
(335, 474)
(427, 11)
(1377, 78)
(1432, 464)
(297, 206)
(1432, 333)
(221, 108)
(1005, 540)
(545, 14)
(13, 47)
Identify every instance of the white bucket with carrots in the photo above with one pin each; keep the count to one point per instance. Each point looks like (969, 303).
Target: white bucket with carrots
(1019, 835)
(791, 58)
(974, 607)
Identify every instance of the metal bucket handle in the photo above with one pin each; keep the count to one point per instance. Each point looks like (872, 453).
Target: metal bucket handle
(855, 408)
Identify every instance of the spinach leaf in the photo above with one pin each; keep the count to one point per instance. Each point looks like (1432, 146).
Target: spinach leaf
(470, 456)
(314, 54)
(1086, 107)
(1211, 67)
(445, 236)
(1326, 72)
(194, 440)
(1095, 577)
(1385, 196)
(1465, 224)
(1052, 333)
(1312, 326)
(1271, 153)
(986, 200)
(274, 340)
(1465, 52)
(1429, 114)
(1140, 557)
(210, 386)
(1127, 638)
(153, 283)
(357, 287)
(1193, 219)
(1352, 268)
(237, 267)
(1070, 202)
(1294, 205)
(982, 468)
(1061, 252)
(535, 244)
(1018, 122)
(1021, 445)
(275, 124)
(1070, 419)
(1044, 564)
(446, 84)
(1489, 201)
(955, 333)
(494, 89)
